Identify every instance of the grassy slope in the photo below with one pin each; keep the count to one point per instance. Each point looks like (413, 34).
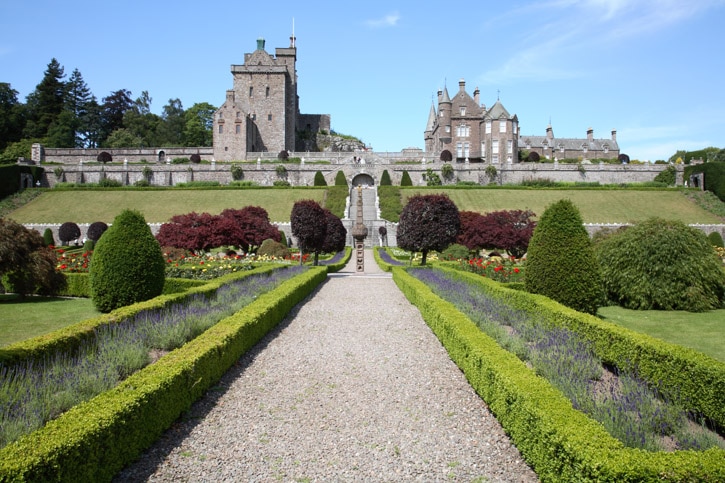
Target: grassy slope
(596, 206)
(703, 332)
(20, 320)
(156, 205)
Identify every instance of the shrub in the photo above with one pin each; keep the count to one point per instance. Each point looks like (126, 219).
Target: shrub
(319, 179)
(109, 183)
(715, 239)
(95, 230)
(272, 248)
(385, 179)
(405, 179)
(280, 170)
(104, 157)
(283, 238)
(237, 172)
(561, 263)
(181, 160)
(335, 235)
(281, 182)
(714, 177)
(195, 158)
(48, 239)
(340, 179)
(128, 265)
(142, 183)
(283, 155)
(68, 232)
(455, 252)
(661, 264)
(89, 245)
(309, 225)
(668, 176)
(431, 178)
(447, 171)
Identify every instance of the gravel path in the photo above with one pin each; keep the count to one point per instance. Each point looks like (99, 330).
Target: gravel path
(352, 386)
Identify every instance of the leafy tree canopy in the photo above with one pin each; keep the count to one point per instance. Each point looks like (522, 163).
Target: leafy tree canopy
(428, 222)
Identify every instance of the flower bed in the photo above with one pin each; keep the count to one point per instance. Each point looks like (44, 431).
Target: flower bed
(559, 442)
(94, 440)
(496, 268)
(384, 260)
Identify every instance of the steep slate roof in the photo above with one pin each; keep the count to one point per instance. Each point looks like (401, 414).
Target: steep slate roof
(431, 118)
(497, 111)
(569, 144)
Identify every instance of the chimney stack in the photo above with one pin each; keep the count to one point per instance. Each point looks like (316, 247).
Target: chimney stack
(461, 85)
(614, 135)
(477, 96)
(590, 134)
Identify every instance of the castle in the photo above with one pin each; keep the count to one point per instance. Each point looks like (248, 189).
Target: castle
(261, 111)
(469, 131)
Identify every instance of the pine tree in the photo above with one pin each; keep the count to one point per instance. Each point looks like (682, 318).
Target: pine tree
(47, 101)
(78, 100)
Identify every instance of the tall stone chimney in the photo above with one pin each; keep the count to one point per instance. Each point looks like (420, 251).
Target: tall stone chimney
(614, 135)
(549, 132)
(260, 43)
(477, 96)
(461, 85)
(590, 134)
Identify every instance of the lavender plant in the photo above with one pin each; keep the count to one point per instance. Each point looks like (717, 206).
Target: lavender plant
(33, 393)
(385, 256)
(629, 409)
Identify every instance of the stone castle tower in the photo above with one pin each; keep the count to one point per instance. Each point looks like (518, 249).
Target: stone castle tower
(261, 111)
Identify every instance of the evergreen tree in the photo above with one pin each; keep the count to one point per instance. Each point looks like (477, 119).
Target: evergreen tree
(47, 101)
(112, 111)
(199, 120)
(319, 179)
(141, 123)
(78, 100)
(340, 179)
(385, 179)
(405, 179)
(560, 261)
(12, 116)
(171, 129)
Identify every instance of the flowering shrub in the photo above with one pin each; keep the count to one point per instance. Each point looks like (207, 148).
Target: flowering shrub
(495, 268)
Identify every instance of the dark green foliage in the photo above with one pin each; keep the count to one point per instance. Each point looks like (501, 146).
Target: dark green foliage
(428, 222)
(560, 261)
(109, 183)
(340, 179)
(272, 248)
(663, 265)
(237, 172)
(10, 177)
(319, 179)
(715, 239)
(389, 201)
(281, 183)
(27, 265)
(89, 245)
(455, 252)
(714, 177)
(385, 179)
(405, 179)
(128, 265)
(68, 232)
(668, 176)
(431, 178)
(283, 238)
(48, 237)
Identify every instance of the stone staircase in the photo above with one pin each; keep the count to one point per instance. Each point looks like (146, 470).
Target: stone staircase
(371, 217)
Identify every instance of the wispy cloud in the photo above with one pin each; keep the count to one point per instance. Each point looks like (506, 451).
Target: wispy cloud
(562, 31)
(389, 20)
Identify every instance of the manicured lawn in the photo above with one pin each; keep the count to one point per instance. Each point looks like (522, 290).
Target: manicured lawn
(34, 316)
(157, 206)
(596, 206)
(704, 332)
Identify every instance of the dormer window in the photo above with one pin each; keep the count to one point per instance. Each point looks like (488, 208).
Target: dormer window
(463, 111)
(606, 148)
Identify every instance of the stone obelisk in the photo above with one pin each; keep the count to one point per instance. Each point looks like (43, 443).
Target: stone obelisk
(359, 232)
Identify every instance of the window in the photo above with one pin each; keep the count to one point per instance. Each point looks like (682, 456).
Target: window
(483, 149)
(448, 128)
(466, 150)
(463, 110)
(561, 148)
(514, 127)
(459, 150)
(221, 128)
(269, 117)
(463, 131)
(494, 146)
(440, 113)
(509, 146)
(238, 128)
(606, 148)
(584, 147)
(253, 116)
(239, 114)
(251, 91)
(266, 92)
(502, 126)
(488, 127)
(494, 158)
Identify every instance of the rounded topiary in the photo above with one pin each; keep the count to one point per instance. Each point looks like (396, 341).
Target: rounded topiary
(195, 158)
(340, 179)
(405, 179)
(95, 230)
(560, 260)
(661, 264)
(385, 179)
(104, 157)
(283, 155)
(48, 239)
(127, 265)
(319, 179)
(455, 252)
(715, 239)
(68, 232)
(272, 248)
(89, 245)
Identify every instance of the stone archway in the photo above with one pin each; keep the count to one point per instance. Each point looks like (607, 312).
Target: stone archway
(363, 179)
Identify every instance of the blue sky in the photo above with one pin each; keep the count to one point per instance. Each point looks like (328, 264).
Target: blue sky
(651, 69)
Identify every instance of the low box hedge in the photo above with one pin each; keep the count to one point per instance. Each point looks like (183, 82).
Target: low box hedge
(96, 439)
(336, 267)
(78, 285)
(559, 442)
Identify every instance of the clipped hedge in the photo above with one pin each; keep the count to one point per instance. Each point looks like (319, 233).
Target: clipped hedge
(336, 267)
(559, 442)
(70, 337)
(96, 439)
(78, 285)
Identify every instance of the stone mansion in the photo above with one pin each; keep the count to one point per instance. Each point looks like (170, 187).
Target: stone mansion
(469, 131)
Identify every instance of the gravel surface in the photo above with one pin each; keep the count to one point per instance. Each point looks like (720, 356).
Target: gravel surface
(352, 386)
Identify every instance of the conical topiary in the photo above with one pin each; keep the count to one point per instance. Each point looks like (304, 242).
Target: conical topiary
(560, 260)
(320, 179)
(48, 239)
(340, 179)
(405, 179)
(127, 265)
(385, 179)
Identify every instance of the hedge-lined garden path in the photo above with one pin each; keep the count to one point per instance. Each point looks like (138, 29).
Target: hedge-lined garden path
(352, 386)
